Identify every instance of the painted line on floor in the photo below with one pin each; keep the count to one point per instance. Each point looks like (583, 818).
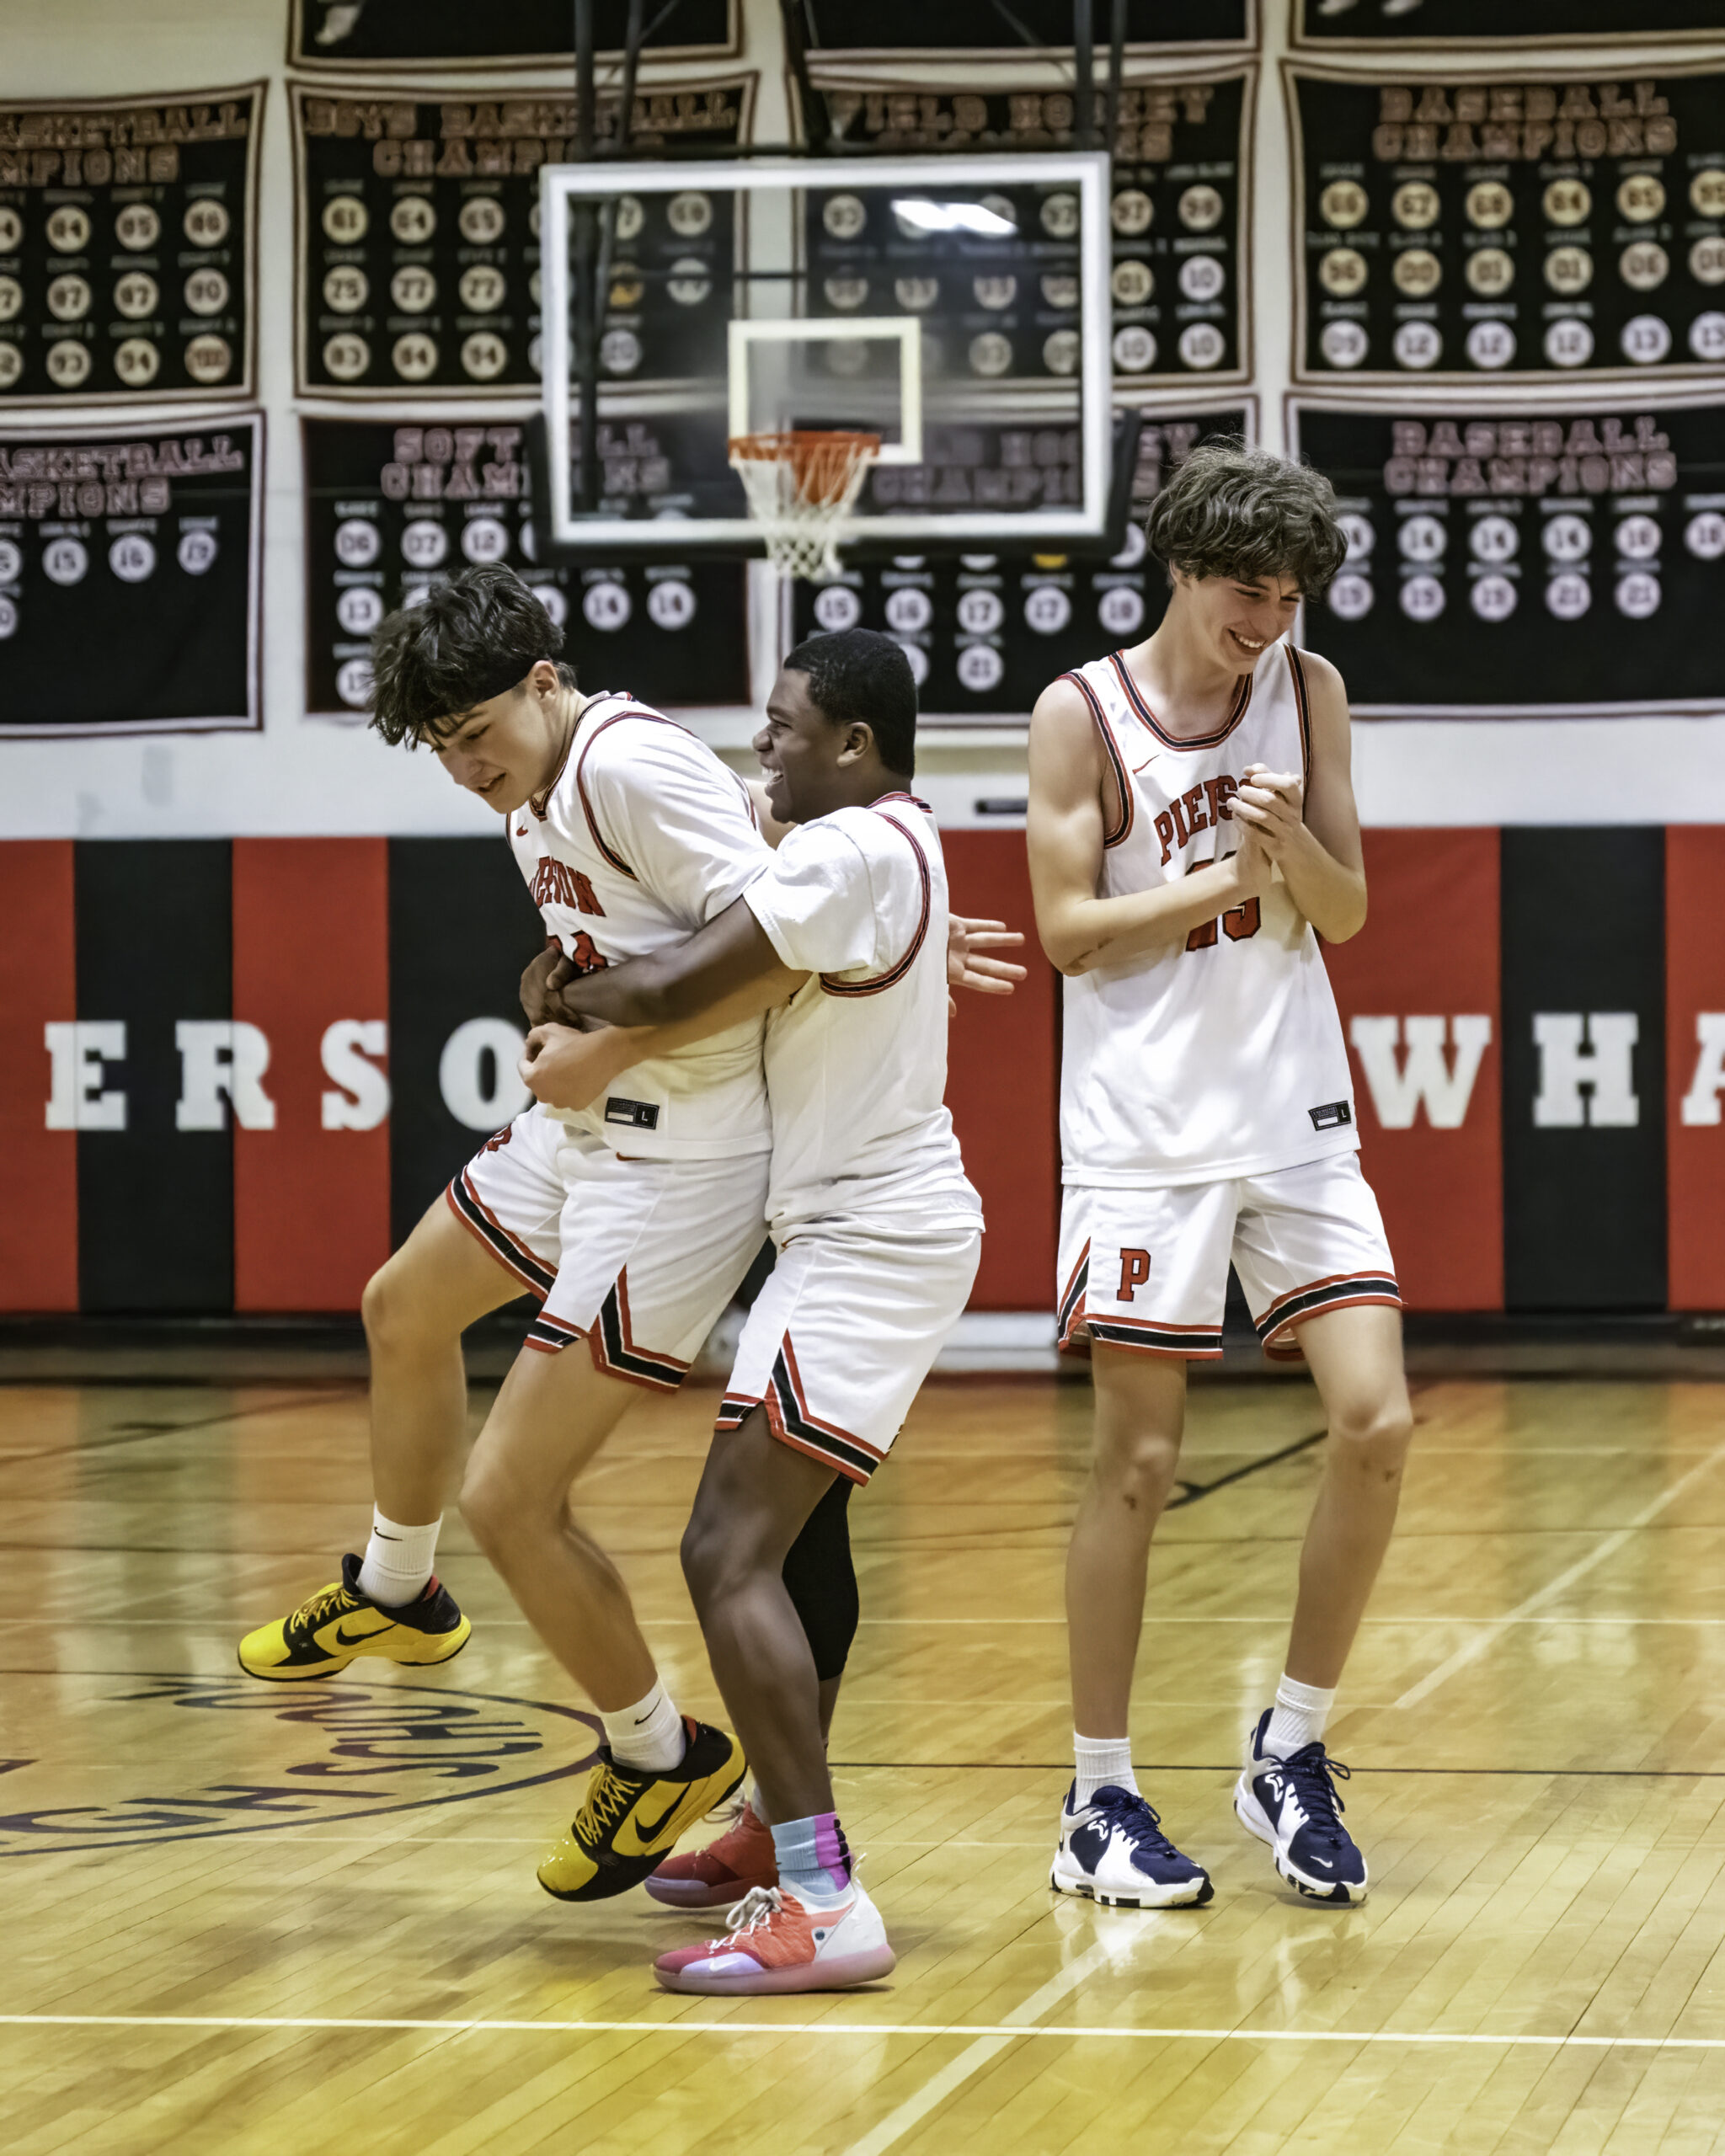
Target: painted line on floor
(996, 2034)
(988, 2045)
(1487, 1637)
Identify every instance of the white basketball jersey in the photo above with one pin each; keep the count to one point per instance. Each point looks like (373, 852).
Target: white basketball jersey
(641, 838)
(1223, 1056)
(857, 1061)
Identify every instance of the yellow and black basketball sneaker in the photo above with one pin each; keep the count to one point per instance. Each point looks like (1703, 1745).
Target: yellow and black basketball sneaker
(632, 1816)
(337, 1622)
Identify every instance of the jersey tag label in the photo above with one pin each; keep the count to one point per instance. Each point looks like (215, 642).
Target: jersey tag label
(1334, 1115)
(639, 1115)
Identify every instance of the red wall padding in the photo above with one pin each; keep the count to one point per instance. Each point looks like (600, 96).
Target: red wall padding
(311, 946)
(1002, 1082)
(1695, 983)
(38, 987)
(1430, 948)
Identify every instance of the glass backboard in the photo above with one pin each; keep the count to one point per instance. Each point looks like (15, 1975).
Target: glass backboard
(956, 307)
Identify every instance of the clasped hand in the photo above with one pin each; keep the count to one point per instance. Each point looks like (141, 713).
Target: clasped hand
(1270, 809)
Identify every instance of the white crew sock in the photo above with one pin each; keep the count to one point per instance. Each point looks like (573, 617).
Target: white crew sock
(398, 1560)
(1298, 1717)
(1102, 1760)
(648, 1735)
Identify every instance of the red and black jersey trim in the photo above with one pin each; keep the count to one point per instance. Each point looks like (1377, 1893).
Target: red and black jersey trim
(1143, 1336)
(1070, 1314)
(1302, 705)
(876, 983)
(790, 1421)
(1334, 1293)
(735, 1410)
(610, 1343)
(540, 802)
(477, 1218)
(631, 710)
(615, 1350)
(1134, 696)
(1111, 750)
(550, 1336)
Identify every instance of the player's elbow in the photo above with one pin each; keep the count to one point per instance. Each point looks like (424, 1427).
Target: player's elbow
(1064, 943)
(1349, 918)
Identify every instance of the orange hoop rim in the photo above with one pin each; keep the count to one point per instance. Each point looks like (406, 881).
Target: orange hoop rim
(802, 442)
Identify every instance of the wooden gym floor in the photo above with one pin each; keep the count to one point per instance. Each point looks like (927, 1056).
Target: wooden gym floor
(246, 1919)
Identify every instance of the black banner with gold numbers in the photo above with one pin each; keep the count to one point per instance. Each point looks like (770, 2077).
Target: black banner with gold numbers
(1528, 22)
(129, 579)
(393, 510)
(1561, 225)
(418, 238)
(361, 33)
(1532, 561)
(899, 27)
(1004, 311)
(127, 247)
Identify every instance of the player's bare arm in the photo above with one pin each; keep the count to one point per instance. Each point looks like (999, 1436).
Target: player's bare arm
(1312, 835)
(1079, 931)
(725, 973)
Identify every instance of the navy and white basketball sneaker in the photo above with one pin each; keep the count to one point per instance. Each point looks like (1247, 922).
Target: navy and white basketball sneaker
(1112, 1850)
(1292, 1805)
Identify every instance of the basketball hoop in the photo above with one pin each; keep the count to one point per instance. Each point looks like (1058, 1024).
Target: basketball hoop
(800, 487)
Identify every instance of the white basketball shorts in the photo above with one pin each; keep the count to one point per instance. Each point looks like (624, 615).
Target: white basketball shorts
(638, 1257)
(1147, 1270)
(842, 1335)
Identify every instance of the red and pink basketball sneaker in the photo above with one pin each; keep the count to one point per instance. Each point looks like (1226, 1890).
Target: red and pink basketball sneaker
(724, 1871)
(778, 1942)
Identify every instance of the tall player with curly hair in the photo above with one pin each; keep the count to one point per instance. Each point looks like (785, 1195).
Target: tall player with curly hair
(1193, 833)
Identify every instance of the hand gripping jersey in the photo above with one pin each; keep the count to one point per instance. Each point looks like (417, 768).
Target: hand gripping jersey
(856, 1062)
(641, 838)
(1224, 1056)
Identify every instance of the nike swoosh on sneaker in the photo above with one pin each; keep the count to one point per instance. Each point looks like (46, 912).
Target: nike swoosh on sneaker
(343, 1639)
(646, 1835)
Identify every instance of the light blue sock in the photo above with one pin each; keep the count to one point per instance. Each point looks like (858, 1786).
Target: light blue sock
(812, 1855)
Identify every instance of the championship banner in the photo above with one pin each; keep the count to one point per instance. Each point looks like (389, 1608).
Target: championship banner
(418, 238)
(986, 633)
(890, 29)
(1181, 278)
(359, 34)
(393, 509)
(129, 579)
(1554, 225)
(1542, 563)
(128, 247)
(1338, 24)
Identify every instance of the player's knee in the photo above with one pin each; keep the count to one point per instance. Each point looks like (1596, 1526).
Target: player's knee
(1138, 1466)
(486, 1505)
(705, 1555)
(1376, 1433)
(723, 1549)
(394, 1316)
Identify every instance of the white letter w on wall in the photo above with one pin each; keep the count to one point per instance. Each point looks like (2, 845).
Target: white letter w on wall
(1399, 1082)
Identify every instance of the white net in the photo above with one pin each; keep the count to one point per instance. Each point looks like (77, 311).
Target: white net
(800, 487)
